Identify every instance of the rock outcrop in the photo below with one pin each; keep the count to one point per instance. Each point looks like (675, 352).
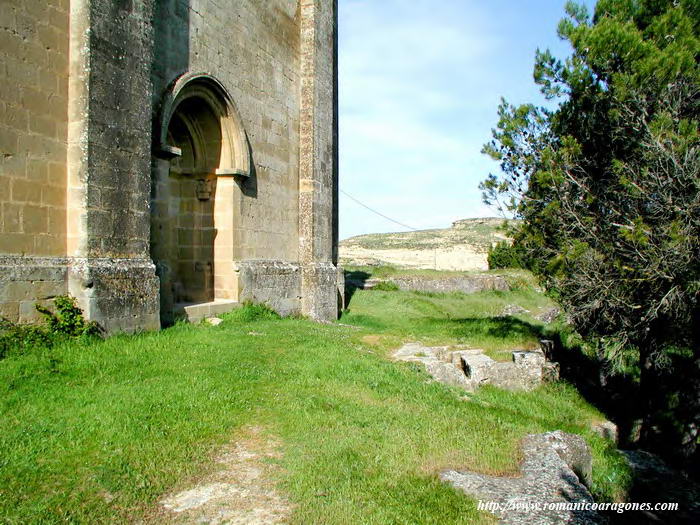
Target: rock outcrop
(549, 315)
(471, 368)
(551, 488)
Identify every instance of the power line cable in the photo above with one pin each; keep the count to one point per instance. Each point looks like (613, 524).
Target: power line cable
(378, 213)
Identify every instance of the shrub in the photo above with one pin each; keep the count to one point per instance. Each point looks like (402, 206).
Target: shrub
(505, 255)
(68, 319)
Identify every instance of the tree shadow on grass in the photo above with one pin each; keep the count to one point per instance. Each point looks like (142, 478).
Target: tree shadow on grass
(615, 396)
(504, 327)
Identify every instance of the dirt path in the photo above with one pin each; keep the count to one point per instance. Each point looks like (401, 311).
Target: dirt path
(240, 492)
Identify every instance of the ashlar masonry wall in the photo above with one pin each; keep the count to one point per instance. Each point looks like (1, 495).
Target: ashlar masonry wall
(34, 43)
(266, 55)
(86, 167)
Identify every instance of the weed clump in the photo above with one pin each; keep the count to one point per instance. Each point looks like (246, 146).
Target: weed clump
(68, 319)
(20, 339)
(66, 322)
(252, 312)
(386, 286)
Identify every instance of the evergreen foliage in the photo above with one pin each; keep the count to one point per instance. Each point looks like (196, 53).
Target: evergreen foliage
(505, 255)
(607, 186)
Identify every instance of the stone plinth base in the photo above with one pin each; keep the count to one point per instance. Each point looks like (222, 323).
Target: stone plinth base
(123, 295)
(120, 294)
(274, 283)
(27, 281)
(321, 295)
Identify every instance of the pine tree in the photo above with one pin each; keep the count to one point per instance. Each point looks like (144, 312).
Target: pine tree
(607, 185)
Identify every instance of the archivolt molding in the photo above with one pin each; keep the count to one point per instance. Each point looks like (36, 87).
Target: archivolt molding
(235, 153)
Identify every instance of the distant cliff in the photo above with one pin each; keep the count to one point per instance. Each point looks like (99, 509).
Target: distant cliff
(462, 247)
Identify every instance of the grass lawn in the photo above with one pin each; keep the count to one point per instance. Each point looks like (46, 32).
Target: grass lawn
(96, 432)
(474, 320)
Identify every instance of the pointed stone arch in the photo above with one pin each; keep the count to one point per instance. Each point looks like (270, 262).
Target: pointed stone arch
(200, 148)
(235, 152)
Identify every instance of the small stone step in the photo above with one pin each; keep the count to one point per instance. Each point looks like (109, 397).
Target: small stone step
(195, 312)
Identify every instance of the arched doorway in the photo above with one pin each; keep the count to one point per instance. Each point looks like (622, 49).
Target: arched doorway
(200, 147)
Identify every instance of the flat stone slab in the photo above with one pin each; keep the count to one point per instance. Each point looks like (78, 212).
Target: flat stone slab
(195, 312)
(437, 363)
(552, 474)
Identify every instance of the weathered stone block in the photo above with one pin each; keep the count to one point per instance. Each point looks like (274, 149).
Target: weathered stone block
(120, 294)
(556, 469)
(10, 310)
(25, 191)
(11, 216)
(528, 359)
(275, 283)
(478, 368)
(471, 368)
(550, 372)
(35, 219)
(606, 429)
(320, 291)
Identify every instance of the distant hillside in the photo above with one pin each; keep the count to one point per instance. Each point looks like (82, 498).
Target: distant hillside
(462, 247)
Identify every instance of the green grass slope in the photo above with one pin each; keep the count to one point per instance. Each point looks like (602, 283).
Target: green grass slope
(98, 432)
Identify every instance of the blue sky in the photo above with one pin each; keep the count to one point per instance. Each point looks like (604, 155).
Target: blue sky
(420, 82)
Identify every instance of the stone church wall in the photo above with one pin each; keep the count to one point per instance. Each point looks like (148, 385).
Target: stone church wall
(34, 43)
(80, 95)
(253, 49)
